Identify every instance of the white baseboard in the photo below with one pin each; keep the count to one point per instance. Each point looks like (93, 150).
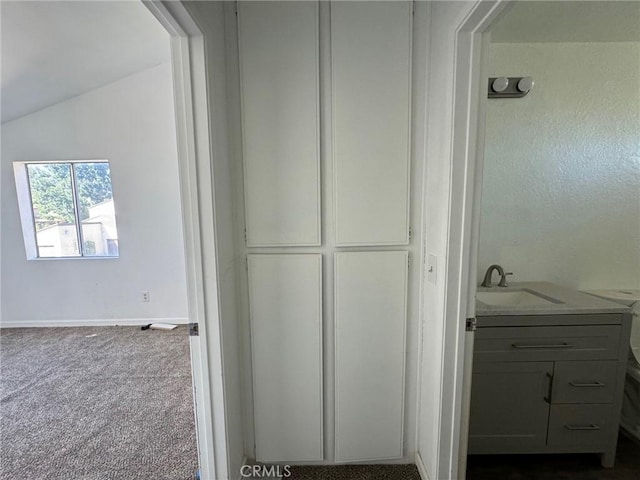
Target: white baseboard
(421, 468)
(95, 322)
(245, 461)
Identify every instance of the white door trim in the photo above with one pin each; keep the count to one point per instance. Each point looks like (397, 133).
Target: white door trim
(463, 221)
(196, 191)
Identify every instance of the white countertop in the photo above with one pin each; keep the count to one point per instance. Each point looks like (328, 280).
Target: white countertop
(570, 301)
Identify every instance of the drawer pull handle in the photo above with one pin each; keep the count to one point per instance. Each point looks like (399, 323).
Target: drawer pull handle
(579, 385)
(553, 345)
(582, 427)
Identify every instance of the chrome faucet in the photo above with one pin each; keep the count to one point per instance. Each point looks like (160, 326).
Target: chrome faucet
(487, 276)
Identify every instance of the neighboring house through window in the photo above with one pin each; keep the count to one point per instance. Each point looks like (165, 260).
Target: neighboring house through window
(55, 197)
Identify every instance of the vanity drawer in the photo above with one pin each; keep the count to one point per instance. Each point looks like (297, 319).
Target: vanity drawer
(517, 344)
(584, 382)
(580, 427)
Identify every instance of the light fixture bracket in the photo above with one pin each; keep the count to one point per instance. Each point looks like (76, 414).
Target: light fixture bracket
(512, 89)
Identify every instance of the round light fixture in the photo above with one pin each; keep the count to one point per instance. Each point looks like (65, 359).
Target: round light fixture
(525, 84)
(500, 84)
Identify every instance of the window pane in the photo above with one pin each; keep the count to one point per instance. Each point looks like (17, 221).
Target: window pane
(96, 211)
(52, 202)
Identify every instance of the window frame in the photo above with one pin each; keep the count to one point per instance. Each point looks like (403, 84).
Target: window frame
(27, 217)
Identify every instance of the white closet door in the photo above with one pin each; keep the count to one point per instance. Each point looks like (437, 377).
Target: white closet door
(371, 70)
(279, 52)
(370, 314)
(285, 300)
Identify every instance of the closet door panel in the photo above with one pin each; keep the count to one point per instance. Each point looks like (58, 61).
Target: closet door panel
(370, 316)
(285, 300)
(279, 61)
(371, 75)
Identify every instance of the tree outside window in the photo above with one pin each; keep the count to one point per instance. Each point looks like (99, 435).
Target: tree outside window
(63, 195)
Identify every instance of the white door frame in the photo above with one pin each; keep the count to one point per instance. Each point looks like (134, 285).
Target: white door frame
(198, 207)
(196, 192)
(469, 100)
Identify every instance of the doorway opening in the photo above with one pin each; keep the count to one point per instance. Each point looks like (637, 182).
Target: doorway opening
(93, 81)
(508, 132)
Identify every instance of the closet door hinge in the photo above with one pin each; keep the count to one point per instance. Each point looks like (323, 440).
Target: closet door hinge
(408, 260)
(471, 324)
(245, 235)
(410, 233)
(235, 8)
(193, 330)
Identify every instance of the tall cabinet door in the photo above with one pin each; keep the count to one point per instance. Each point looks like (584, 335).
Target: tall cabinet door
(278, 54)
(285, 299)
(371, 78)
(367, 166)
(370, 314)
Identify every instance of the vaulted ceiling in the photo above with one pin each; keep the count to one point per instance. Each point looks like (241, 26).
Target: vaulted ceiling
(54, 50)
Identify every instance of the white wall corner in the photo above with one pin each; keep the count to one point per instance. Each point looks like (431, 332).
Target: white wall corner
(245, 461)
(422, 470)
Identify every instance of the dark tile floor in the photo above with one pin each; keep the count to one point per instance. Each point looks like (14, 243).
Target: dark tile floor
(497, 467)
(356, 472)
(557, 467)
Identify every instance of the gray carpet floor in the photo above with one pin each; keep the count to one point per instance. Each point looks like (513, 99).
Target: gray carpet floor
(96, 403)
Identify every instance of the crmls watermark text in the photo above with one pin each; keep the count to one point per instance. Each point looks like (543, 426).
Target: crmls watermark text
(265, 471)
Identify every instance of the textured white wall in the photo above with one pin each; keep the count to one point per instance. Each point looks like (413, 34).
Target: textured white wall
(130, 123)
(561, 186)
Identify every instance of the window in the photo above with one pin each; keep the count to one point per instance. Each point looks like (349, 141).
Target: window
(57, 197)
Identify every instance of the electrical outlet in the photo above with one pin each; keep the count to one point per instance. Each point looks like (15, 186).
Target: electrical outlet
(145, 296)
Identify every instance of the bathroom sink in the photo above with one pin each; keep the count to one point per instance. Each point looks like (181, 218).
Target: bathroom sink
(514, 298)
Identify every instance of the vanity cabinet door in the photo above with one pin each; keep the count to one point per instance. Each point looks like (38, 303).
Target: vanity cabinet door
(509, 407)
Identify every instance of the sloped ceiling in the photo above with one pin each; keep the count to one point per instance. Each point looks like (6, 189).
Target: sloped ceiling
(569, 21)
(52, 51)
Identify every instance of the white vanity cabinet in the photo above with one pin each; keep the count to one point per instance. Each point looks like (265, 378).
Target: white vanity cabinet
(548, 384)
